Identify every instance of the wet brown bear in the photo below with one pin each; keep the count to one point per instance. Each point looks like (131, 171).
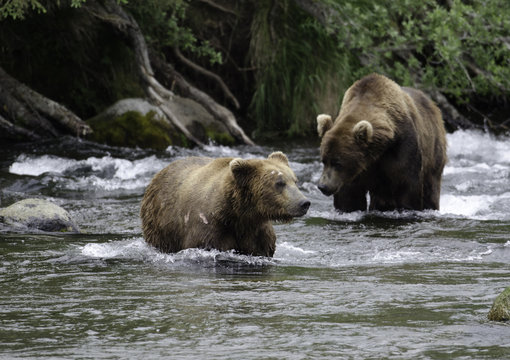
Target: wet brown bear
(221, 204)
(388, 141)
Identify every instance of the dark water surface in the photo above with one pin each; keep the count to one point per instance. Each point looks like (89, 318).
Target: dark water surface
(412, 285)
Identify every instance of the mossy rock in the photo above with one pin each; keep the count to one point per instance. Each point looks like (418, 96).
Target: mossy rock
(211, 133)
(500, 310)
(37, 214)
(137, 123)
(200, 122)
(133, 129)
(220, 137)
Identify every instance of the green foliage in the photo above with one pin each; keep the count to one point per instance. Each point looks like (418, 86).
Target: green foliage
(299, 70)
(164, 25)
(16, 9)
(458, 47)
(303, 65)
(461, 48)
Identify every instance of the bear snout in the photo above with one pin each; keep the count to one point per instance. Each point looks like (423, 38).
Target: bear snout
(299, 208)
(330, 181)
(304, 205)
(325, 189)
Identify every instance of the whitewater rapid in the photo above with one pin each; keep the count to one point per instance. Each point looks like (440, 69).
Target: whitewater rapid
(476, 179)
(475, 187)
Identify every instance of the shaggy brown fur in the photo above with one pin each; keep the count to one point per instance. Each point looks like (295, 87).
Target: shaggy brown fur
(221, 203)
(387, 140)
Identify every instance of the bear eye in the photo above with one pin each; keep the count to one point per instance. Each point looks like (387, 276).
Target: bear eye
(337, 165)
(280, 184)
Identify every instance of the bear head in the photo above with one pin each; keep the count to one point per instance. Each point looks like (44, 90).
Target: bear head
(348, 147)
(267, 188)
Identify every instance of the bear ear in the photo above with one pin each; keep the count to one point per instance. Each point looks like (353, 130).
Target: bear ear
(363, 132)
(241, 169)
(279, 156)
(324, 123)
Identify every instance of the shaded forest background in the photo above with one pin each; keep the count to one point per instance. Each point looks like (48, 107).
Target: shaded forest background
(269, 66)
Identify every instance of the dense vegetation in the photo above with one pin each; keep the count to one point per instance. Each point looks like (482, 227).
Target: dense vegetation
(274, 63)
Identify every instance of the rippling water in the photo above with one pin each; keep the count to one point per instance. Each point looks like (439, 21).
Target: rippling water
(413, 285)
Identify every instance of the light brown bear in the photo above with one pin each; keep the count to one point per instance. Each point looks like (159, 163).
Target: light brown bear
(387, 141)
(222, 204)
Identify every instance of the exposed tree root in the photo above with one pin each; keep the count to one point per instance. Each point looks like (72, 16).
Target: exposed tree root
(112, 13)
(14, 131)
(208, 74)
(219, 112)
(23, 108)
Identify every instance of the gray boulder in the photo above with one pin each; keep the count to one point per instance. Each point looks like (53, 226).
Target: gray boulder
(141, 106)
(500, 310)
(136, 122)
(37, 214)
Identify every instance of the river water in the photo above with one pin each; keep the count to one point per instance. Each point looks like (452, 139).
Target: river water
(411, 285)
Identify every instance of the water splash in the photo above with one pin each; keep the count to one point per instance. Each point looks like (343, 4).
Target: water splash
(138, 249)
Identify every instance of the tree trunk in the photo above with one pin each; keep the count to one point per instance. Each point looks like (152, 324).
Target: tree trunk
(13, 131)
(28, 114)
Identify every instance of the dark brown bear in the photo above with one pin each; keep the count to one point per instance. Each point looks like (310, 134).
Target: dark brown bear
(221, 204)
(387, 141)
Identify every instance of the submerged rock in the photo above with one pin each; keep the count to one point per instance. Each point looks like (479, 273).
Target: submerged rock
(500, 310)
(38, 214)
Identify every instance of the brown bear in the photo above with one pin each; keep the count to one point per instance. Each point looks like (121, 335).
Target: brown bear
(387, 141)
(222, 203)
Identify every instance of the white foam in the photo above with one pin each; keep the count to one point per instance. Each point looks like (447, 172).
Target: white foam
(138, 249)
(465, 205)
(476, 144)
(115, 249)
(396, 256)
(288, 248)
(465, 186)
(223, 151)
(94, 182)
(114, 173)
(25, 165)
(336, 216)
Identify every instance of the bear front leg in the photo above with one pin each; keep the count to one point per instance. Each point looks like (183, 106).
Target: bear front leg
(407, 196)
(257, 240)
(431, 192)
(351, 198)
(266, 241)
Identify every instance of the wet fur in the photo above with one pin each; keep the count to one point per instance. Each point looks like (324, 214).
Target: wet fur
(402, 164)
(220, 203)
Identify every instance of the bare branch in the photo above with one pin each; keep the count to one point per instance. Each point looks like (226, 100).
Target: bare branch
(219, 112)
(209, 74)
(218, 6)
(472, 66)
